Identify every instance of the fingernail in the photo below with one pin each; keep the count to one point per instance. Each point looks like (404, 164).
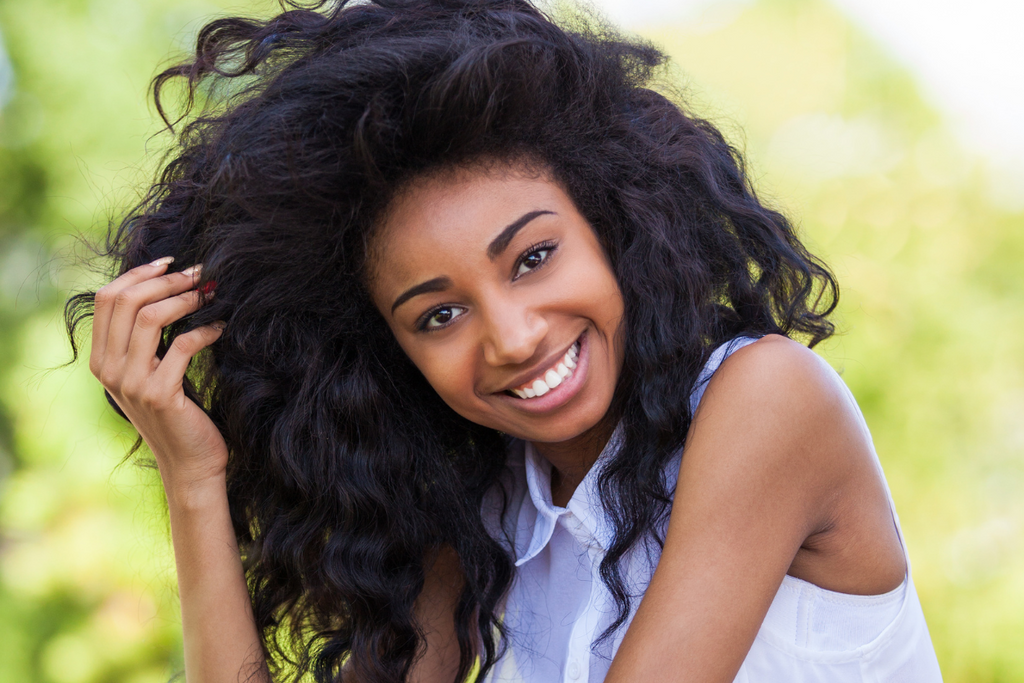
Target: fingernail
(207, 289)
(192, 270)
(163, 261)
(219, 325)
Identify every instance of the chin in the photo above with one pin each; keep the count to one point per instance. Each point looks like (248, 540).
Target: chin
(554, 428)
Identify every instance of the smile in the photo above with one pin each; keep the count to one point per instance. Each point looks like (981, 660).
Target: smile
(552, 377)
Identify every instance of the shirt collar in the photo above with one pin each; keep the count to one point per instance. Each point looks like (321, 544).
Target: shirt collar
(585, 504)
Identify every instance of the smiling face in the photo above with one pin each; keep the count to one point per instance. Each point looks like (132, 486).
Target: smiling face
(500, 293)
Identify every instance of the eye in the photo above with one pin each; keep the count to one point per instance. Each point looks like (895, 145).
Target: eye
(440, 317)
(533, 258)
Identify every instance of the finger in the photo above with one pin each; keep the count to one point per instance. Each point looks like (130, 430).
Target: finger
(175, 362)
(149, 326)
(129, 301)
(104, 305)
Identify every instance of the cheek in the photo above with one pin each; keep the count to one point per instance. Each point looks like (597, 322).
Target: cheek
(450, 372)
(607, 310)
(601, 290)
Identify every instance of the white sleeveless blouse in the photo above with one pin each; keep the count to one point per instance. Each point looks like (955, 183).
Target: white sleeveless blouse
(558, 605)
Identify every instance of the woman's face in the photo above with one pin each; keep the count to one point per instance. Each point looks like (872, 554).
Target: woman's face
(498, 290)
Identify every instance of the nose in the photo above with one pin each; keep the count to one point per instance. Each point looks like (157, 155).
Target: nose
(512, 333)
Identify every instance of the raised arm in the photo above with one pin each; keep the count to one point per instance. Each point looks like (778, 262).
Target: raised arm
(220, 637)
(221, 642)
(777, 454)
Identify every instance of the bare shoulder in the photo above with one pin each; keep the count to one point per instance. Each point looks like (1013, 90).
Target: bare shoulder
(778, 426)
(776, 415)
(776, 455)
(778, 477)
(777, 370)
(783, 380)
(776, 350)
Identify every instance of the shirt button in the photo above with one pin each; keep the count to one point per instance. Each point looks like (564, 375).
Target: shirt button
(574, 669)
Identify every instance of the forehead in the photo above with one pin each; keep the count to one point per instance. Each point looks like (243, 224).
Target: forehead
(460, 210)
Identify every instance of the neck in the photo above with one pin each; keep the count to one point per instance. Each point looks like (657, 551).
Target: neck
(573, 458)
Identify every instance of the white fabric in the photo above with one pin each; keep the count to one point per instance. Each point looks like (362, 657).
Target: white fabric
(558, 605)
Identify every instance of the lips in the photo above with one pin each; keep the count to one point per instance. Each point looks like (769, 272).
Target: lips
(550, 378)
(566, 388)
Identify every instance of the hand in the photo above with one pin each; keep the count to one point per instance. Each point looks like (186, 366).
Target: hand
(130, 315)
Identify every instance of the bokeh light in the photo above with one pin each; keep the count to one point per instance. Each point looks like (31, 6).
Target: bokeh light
(843, 130)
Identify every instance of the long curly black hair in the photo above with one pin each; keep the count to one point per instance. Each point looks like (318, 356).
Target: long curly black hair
(347, 473)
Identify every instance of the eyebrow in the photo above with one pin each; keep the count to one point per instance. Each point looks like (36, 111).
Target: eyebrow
(499, 243)
(438, 284)
(494, 249)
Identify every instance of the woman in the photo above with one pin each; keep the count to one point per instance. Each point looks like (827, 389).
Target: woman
(499, 371)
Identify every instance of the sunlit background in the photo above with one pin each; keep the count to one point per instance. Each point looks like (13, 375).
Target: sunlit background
(889, 130)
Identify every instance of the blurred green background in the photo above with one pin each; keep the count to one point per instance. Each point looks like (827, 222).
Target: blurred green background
(837, 134)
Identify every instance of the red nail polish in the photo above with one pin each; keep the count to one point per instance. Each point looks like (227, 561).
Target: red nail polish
(208, 288)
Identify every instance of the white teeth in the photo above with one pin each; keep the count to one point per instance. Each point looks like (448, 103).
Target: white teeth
(553, 377)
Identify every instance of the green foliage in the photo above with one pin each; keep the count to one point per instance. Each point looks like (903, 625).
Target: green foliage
(932, 316)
